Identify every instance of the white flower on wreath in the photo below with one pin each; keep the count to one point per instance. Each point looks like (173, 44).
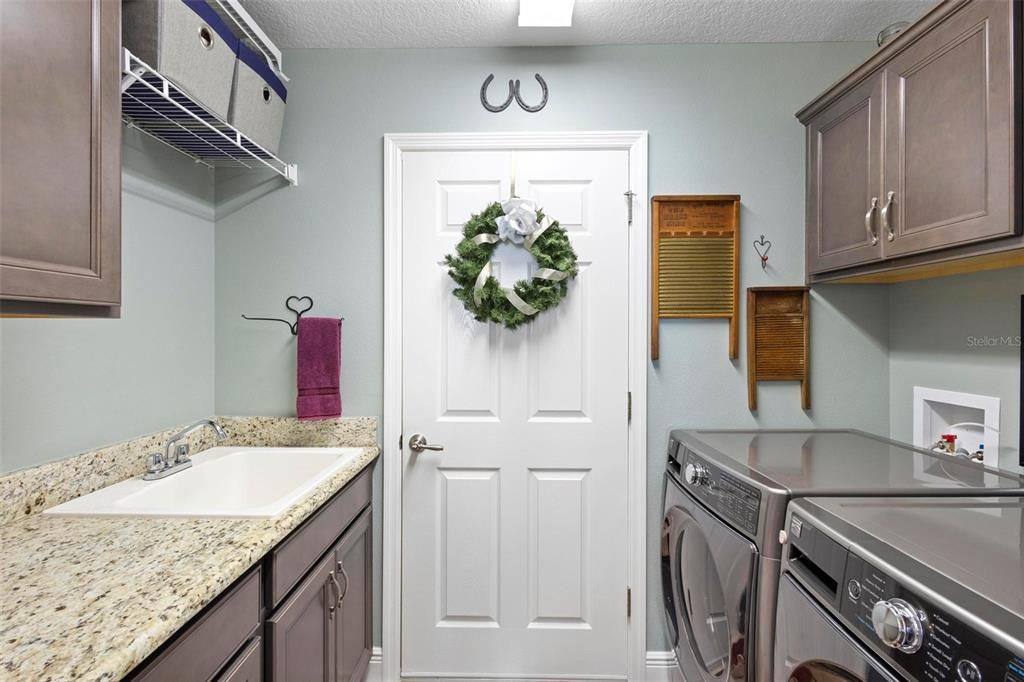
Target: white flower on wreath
(519, 221)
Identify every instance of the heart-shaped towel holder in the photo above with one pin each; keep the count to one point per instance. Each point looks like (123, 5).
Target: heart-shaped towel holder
(294, 304)
(762, 246)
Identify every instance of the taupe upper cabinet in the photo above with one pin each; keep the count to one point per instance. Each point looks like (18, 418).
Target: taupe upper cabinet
(844, 144)
(913, 158)
(60, 131)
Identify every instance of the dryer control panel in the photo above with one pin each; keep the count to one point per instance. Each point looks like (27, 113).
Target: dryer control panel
(901, 624)
(734, 499)
(925, 640)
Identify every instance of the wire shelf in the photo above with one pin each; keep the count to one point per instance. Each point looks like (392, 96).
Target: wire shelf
(157, 107)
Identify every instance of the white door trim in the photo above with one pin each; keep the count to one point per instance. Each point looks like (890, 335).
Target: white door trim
(635, 142)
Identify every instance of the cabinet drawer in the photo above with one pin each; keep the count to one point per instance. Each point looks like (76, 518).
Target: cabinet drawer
(248, 667)
(294, 557)
(199, 652)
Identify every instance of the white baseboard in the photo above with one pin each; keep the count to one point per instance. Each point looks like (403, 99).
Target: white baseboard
(661, 667)
(374, 672)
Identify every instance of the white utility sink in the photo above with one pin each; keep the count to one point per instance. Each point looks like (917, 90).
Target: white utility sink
(224, 482)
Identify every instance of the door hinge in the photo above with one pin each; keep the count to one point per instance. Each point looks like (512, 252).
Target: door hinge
(629, 406)
(629, 194)
(629, 602)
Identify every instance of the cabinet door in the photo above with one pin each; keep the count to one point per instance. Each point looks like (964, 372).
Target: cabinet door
(949, 133)
(60, 130)
(353, 631)
(248, 667)
(299, 632)
(844, 147)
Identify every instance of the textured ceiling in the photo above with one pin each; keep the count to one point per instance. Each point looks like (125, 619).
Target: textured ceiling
(480, 23)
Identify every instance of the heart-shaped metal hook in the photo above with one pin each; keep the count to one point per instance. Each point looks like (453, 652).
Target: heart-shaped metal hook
(298, 310)
(762, 246)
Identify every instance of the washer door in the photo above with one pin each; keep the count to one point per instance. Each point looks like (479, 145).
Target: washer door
(810, 645)
(708, 571)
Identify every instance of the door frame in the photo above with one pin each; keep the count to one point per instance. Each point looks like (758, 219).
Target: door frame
(395, 146)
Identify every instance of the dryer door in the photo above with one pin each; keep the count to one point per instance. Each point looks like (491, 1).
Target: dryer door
(708, 569)
(810, 644)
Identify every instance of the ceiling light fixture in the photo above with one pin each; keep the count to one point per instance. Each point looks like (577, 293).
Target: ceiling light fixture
(547, 13)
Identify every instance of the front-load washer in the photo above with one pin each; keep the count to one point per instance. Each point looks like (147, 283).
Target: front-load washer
(725, 499)
(925, 589)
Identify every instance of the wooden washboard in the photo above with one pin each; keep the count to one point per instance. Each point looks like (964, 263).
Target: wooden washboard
(778, 337)
(695, 261)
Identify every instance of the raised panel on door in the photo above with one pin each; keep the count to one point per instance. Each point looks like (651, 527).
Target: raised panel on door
(950, 133)
(352, 624)
(560, 531)
(60, 131)
(299, 632)
(844, 147)
(468, 561)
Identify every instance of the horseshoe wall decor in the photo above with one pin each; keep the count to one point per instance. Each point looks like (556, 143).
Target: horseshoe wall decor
(513, 93)
(501, 107)
(543, 100)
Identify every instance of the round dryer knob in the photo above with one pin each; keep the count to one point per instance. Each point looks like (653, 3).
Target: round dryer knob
(695, 473)
(898, 625)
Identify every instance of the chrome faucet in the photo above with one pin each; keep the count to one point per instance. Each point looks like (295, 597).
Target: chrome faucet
(175, 457)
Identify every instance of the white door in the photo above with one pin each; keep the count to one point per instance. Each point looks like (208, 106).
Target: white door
(514, 537)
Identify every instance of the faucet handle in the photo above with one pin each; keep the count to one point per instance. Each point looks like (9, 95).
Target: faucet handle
(181, 451)
(155, 462)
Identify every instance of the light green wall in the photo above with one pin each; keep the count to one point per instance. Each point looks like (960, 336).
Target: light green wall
(720, 119)
(934, 331)
(69, 385)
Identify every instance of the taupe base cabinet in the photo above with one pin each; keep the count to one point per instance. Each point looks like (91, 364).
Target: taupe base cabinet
(321, 631)
(302, 614)
(914, 159)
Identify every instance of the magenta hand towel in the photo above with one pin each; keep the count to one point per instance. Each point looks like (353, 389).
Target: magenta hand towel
(319, 368)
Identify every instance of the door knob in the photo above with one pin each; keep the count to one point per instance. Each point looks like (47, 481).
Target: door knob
(418, 443)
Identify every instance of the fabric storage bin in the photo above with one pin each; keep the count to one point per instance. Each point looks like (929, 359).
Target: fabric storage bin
(258, 98)
(188, 43)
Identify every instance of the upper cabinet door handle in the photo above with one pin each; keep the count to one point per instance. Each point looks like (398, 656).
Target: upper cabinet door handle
(869, 223)
(886, 221)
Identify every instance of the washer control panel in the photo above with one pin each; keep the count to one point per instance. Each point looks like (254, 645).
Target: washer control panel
(923, 639)
(736, 500)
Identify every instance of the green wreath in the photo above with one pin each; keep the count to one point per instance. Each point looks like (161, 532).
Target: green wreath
(519, 222)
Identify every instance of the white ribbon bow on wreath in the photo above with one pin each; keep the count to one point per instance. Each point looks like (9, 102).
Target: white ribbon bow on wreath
(519, 226)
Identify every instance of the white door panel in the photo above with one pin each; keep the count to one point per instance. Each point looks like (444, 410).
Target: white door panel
(514, 537)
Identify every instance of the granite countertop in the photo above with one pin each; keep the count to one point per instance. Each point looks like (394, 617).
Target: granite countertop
(89, 598)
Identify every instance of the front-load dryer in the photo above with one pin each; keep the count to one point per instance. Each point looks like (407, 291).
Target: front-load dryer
(725, 500)
(902, 589)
